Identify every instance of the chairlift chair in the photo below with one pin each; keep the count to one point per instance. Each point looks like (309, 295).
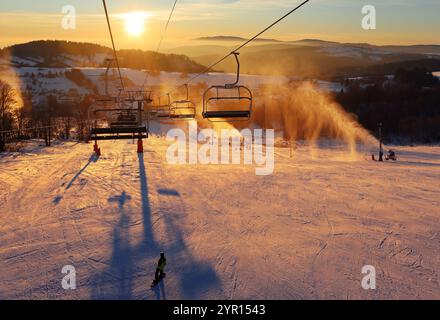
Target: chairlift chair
(183, 109)
(234, 106)
(162, 111)
(129, 124)
(125, 118)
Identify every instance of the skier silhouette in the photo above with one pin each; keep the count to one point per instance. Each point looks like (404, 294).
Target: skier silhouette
(160, 267)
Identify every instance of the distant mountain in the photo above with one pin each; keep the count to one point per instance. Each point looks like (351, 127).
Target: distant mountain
(74, 54)
(315, 58)
(421, 49)
(313, 42)
(312, 58)
(234, 39)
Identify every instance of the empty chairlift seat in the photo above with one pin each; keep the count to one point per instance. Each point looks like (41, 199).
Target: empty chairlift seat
(161, 111)
(183, 109)
(229, 102)
(119, 133)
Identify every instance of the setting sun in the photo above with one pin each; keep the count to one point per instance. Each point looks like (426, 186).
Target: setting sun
(135, 23)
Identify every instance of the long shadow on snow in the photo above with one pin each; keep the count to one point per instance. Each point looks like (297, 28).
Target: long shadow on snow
(128, 261)
(195, 277)
(160, 292)
(92, 159)
(116, 281)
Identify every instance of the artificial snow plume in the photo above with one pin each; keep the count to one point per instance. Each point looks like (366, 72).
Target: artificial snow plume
(305, 112)
(300, 110)
(10, 76)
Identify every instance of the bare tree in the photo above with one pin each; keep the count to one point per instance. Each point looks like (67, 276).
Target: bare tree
(7, 103)
(81, 111)
(23, 114)
(65, 116)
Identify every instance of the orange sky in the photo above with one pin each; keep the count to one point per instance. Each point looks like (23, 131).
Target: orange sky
(398, 21)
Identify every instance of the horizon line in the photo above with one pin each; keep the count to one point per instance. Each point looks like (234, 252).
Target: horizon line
(225, 40)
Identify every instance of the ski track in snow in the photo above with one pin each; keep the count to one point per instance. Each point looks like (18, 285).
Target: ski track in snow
(304, 232)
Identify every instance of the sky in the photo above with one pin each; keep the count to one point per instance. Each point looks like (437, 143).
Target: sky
(398, 21)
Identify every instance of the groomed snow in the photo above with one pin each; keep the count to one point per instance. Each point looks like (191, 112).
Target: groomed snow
(304, 232)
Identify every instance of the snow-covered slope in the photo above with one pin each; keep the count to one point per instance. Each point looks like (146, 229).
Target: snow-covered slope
(44, 81)
(304, 232)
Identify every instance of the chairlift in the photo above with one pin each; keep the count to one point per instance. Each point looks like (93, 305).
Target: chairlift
(125, 117)
(128, 124)
(162, 111)
(183, 109)
(230, 102)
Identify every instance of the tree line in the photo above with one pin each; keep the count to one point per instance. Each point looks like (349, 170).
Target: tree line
(407, 105)
(56, 53)
(21, 119)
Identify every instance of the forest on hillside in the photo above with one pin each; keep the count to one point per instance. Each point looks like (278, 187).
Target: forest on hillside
(62, 54)
(408, 107)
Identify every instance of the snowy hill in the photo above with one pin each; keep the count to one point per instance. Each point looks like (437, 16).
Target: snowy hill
(43, 81)
(304, 232)
(312, 58)
(62, 54)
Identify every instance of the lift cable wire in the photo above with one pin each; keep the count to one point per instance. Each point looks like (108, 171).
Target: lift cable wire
(162, 36)
(237, 49)
(113, 44)
(166, 27)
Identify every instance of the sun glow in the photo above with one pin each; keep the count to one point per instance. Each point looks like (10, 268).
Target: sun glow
(135, 22)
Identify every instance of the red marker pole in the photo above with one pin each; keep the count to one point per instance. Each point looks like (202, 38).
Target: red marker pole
(140, 148)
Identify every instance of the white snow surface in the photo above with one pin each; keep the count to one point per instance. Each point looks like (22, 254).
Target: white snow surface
(21, 79)
(304, 232)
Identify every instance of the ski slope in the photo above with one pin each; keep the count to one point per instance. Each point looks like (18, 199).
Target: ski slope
(304, 232)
